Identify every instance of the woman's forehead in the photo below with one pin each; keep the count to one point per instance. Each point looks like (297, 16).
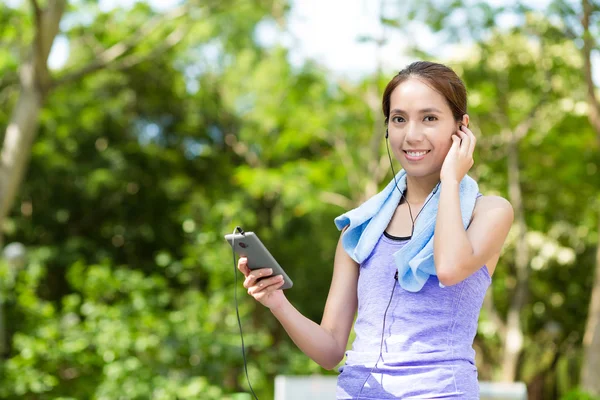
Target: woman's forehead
(416, 94)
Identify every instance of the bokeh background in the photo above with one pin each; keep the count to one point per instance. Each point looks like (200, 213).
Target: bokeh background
(136, 134)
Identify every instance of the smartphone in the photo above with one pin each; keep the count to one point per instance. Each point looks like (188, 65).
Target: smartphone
(247, 244)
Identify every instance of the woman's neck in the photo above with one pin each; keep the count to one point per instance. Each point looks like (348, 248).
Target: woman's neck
(417, 189)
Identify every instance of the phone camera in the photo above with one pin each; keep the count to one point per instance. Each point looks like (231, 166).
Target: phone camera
(243, 245)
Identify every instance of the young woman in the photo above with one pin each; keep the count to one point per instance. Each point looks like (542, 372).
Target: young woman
(409, 344)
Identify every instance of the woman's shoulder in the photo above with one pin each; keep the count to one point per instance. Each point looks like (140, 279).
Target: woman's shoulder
(493, 203)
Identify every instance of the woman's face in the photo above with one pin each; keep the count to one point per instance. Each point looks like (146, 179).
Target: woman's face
(420, 127)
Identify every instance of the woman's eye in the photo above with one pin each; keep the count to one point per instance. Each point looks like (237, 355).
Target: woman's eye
(397, 119)
(430, 118)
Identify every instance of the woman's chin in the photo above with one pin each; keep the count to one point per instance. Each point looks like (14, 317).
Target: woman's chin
(418, 172)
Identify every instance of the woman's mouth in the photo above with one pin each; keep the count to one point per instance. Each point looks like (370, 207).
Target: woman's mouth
(415, 155)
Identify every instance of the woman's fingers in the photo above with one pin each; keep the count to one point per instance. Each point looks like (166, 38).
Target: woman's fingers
(455, 142)
(253, 276)
(266, 285)
(465, 141)
(473, 141)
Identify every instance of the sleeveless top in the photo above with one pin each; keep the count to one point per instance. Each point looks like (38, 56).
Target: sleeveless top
(427, 348)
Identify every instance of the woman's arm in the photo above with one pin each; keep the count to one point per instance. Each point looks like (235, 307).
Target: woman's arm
(326, 343)
(459, 253)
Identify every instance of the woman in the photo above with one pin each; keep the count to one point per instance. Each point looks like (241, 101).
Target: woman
(409, 344)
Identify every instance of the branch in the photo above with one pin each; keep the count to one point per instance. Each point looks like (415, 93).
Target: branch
(570, 33)
(521, 130)
(39, 63)
(36, 11)
(91, 42)
(169, 42)
(337, 200)
(46, 28)
(109, 55)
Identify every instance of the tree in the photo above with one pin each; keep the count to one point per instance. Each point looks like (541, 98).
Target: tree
(131, 71)
(35, 82)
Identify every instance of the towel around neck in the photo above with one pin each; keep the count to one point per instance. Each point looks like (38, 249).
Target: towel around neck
(367, 222)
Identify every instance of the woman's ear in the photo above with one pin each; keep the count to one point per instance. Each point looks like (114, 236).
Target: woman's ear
(465, 120)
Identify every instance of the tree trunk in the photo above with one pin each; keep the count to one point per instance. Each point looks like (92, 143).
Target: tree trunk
(590, 370)
(514, 332)
(590, 374)
(16, 148)
(22, 127)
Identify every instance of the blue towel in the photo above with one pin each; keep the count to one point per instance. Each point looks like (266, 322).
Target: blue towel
(414, 260)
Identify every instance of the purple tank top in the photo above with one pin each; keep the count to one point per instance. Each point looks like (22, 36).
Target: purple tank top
(428, 339)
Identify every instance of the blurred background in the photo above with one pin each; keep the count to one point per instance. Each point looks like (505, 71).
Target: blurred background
(136, 134)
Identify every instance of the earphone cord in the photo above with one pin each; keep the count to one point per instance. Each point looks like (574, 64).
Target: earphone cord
(412, 228)
(386, 309)
(237, 312)
(396, 276)
(381, 343)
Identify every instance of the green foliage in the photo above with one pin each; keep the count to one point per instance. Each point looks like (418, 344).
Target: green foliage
(137, 173)
(579, 395)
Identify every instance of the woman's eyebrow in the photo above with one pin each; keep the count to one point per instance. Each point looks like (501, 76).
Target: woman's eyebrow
(423, 111)
(430, 109)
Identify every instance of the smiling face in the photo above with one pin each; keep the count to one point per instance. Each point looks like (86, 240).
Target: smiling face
(420, 127)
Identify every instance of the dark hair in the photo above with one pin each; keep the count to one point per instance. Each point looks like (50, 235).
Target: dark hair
(439, 77)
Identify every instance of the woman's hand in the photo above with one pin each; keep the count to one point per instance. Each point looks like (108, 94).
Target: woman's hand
(266, 291)
(459, 159)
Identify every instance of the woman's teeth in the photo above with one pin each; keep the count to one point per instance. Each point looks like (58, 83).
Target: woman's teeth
(416, 153)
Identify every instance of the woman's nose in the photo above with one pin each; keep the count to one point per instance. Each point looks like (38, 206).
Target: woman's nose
(414, 133)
